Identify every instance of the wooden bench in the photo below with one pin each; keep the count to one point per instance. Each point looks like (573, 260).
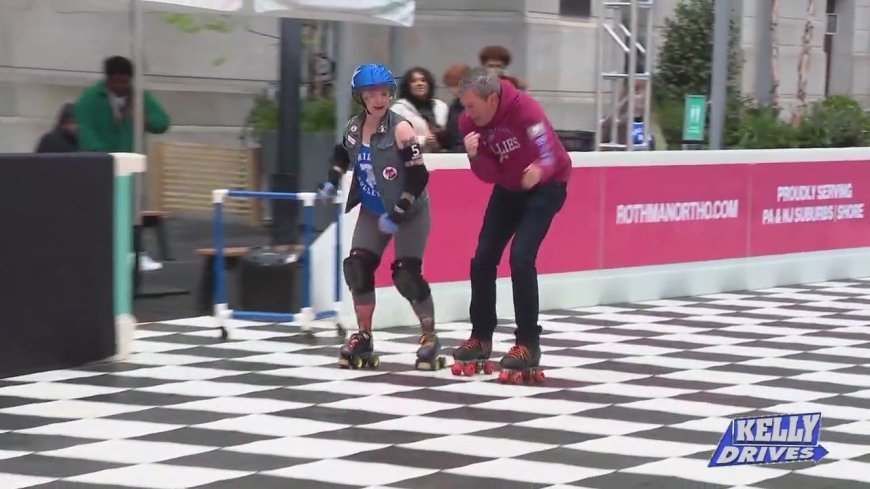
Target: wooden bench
(229, 253)
(240, 251)
(154, 214)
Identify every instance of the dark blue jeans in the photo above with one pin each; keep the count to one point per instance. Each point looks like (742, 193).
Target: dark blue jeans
(525, 217)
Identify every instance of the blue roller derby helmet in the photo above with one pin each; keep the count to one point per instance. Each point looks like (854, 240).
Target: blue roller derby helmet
(371, 75)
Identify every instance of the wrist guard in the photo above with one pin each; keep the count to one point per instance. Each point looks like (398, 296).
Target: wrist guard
(397, 213)
(334, 176)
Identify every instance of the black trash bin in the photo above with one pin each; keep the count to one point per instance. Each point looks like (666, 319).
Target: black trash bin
(577, 140)
(269, 280)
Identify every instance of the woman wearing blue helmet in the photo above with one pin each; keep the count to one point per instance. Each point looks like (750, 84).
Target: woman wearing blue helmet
(389, 184)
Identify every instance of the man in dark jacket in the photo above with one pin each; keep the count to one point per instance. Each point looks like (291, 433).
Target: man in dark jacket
(63, 138)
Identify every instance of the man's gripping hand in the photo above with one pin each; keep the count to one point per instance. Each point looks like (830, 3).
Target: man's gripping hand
(532, 175)
(327, 190)
(471, 141)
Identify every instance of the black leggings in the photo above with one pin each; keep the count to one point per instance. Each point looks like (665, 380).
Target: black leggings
(525, 216)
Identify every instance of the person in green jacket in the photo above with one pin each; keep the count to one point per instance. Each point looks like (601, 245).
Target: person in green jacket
(104, 111)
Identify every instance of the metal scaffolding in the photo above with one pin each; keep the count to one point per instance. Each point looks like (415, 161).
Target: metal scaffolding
(617, 53)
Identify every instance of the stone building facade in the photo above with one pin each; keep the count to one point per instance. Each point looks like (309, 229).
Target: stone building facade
(207, 80)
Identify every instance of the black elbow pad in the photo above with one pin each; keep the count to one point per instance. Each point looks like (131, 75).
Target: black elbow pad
(416, 179)
(411, 155)
(340, 158)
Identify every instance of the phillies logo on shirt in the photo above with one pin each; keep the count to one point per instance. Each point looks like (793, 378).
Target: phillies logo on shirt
(503, 142)
(390, 173)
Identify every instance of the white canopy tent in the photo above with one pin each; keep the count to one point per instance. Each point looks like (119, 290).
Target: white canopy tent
(398, 13)
(385, 12)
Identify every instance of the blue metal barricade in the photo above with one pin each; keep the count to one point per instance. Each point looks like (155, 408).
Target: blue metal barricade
(306, 314)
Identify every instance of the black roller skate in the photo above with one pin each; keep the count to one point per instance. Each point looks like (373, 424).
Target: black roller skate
(521, 364)
(358, 352)
(427, 354)
(472, 357)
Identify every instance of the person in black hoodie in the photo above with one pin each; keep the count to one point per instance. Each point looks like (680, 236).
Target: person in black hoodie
(61, 139)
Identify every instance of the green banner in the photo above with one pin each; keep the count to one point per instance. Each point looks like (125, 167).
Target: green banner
(694, 118)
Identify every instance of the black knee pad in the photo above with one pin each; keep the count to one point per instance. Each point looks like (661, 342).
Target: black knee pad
(409, 281)
(359, 270)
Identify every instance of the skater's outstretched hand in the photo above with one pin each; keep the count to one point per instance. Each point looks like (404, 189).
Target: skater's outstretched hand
(386, 225)
(326, 190)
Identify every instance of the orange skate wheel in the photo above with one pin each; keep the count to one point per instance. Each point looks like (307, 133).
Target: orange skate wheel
(468, 369)
(517, 378)
(539, 376)
(456, 369)
(504, 376)
(488, 369)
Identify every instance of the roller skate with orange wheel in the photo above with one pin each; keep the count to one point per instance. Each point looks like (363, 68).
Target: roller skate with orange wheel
(472, 357)
(521, 365)
(358, 352)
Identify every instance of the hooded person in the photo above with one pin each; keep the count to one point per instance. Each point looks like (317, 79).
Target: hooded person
(511, 144)
(62, 138)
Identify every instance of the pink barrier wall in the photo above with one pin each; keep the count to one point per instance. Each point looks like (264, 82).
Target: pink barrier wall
(652, 215)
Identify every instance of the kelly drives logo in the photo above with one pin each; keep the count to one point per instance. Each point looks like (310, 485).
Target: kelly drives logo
(770, 440)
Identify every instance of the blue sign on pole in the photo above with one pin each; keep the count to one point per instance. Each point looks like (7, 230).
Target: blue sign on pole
(637, 129)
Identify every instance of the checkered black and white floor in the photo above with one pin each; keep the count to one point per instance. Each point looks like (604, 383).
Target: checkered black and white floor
(637, 395)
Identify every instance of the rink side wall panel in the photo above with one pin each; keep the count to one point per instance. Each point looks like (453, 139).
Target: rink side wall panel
(649, 225)
(57, 261)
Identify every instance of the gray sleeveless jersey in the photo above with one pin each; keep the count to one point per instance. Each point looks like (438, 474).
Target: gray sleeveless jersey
(387, 164)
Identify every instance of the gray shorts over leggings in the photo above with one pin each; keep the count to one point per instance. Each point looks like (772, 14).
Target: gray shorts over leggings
(410, 238)
(410, 245)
